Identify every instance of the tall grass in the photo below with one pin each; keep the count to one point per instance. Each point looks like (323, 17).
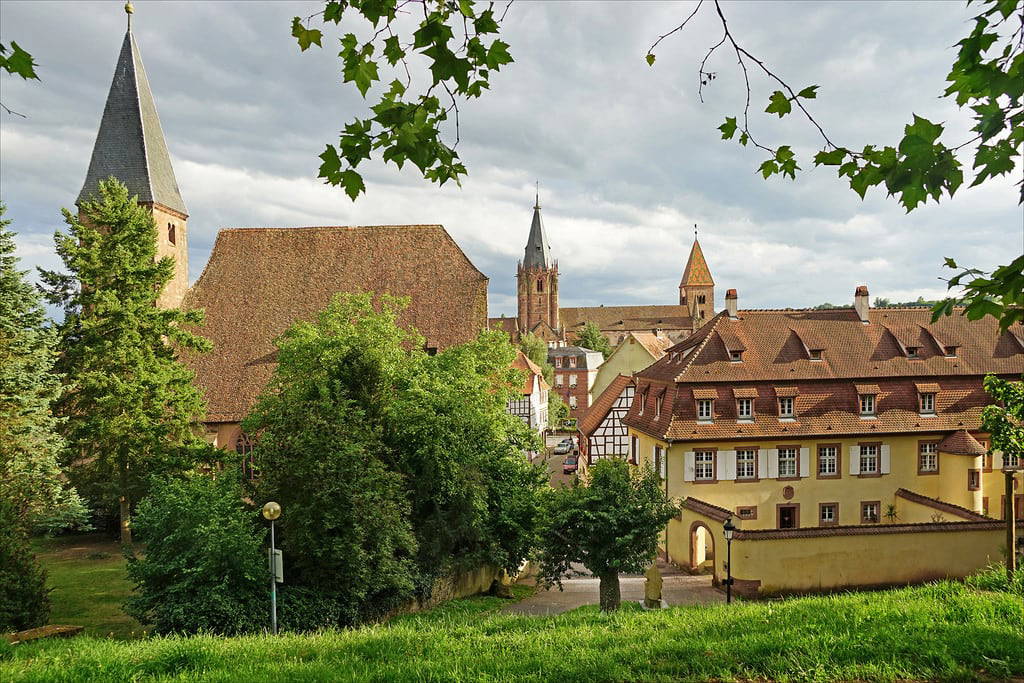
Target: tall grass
(943, 631)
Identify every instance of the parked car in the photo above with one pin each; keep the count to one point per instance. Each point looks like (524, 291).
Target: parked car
(570, 465)
(565, 446)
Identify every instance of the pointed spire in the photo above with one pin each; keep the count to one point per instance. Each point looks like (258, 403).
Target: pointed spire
(538, 251)
(130, 143)
(697, 272)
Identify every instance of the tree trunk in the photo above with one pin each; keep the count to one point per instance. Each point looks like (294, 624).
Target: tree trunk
(126, 522)
(610, 594)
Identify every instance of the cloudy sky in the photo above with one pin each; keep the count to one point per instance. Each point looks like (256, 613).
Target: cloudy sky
(628, 158)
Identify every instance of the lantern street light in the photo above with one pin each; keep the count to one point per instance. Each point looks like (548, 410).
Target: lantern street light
(272, 511)
(728, 530)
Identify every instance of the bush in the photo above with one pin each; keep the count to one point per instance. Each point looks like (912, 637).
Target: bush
(24, 599)
(204, 568)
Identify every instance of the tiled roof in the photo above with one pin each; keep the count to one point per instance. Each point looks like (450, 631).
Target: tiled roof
(696, 271)
(130, 143)
(942, 505)
(705, 508)
(508, 325)
(656, 345)
(602, 404)
(627, 318)
(522, 362)
(852, 349)
(259, 281)
(961, 443)
(870, 530)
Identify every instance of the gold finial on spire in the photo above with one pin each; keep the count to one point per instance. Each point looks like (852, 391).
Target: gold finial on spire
(129, 9)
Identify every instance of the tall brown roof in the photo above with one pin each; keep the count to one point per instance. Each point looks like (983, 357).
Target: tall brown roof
(696, 271)
(523, 362)
(627, 318)
(259, 281)
(509, 326)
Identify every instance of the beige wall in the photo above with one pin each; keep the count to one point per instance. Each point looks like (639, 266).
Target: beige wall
(628, 357)
(177, 287)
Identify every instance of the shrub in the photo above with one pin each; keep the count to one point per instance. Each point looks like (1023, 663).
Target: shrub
(24, 599)
(204, 568)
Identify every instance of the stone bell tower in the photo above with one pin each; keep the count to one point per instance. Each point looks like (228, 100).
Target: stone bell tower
(537, 277)
(697, 288)
(130, 146)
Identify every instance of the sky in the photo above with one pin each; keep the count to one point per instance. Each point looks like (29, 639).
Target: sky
(627, 157)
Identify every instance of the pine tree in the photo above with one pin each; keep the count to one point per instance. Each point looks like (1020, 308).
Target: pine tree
(130, 406)
(30, 478)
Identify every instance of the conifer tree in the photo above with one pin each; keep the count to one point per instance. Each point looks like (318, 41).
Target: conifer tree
(30, 478)
(131, 409)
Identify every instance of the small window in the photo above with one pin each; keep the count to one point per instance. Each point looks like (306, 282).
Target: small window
(558, 380)
(828, 514)
(787, 462)
(973, 480)
(736, 356)
(701, 299)
(170, 233)
(745, 408)
(572, 402)
(747, 512)
(789, 517)
(643, 402)
(704, 409)
(244, 447)
(746, 464)
(572, 361)
(949, 351)
(540, 285)
(558, 361)
(928, 404)
(704, 465)
(912, 352)
(572, 380)
(634, 448)
(657, 405)
(815, 354)
(828, 461)
(786, 406)
(869, 459)
(927, 458)
(867, 405)
(869, 512)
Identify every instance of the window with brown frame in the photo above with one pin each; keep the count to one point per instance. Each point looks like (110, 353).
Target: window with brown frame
(789, 462)
(746, 464)
(747, 512)
(704, 466)
(170, 233)
(745, 409)
(926, 403)
(634, 449)
(867, 405)
(705, 410)
(829, 461)
(828, 514)
(984, 505)
(973, 480)
(986, 459)
(788, 515)
(657, 405)
(869, 460)
(870, 511)
(927, 457)
(244, 446)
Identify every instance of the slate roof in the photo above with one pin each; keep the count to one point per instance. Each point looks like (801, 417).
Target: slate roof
(696, 272)
(259, 281)
(130, 143)
(538, 252)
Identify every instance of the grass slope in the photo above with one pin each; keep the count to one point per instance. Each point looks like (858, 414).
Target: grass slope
(86, 575)
(941, 631)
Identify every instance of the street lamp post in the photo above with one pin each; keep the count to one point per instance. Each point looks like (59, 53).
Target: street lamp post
(728, 530)
(272, 511)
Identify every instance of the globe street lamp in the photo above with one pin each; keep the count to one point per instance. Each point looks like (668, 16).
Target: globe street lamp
(272, 511)
(728, 530)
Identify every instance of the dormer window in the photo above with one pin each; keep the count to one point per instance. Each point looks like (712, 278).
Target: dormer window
(949, 351)
(705, 410)
(912, 352)
(572, 361)
(736, 356)
(657, 405)
(927, 401)
(745, 409)
(867, 405)
(815, 354)
(643, 402)
(785, 406)
(558, 361)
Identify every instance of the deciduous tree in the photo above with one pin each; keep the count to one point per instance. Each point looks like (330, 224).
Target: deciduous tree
(610, 524)
(590, 337)
(129, 406)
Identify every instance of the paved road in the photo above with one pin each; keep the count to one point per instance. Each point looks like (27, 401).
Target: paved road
(677, 589)
(554, 463)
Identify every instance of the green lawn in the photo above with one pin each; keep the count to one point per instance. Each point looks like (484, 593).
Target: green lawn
(945, 631)
(88, 582)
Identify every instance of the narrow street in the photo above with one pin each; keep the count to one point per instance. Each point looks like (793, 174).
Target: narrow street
(554, 462)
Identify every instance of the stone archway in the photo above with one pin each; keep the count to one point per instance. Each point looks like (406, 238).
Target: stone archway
(702, 546)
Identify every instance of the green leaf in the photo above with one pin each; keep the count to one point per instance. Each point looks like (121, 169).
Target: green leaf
(924, 129)
(19, 62)
(466, 8)
(768, 168)
(352, 182)
(744, 138)
(497, 54)
(392, 50)
(485, 23)
(305, 36)
(779, 104)
(650, 59)
(333, 11)
(728, 128)
(830, 158)
(808, 93)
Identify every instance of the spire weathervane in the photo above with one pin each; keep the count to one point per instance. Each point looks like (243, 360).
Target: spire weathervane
(694, 231)
(129, 9)
(536, 204)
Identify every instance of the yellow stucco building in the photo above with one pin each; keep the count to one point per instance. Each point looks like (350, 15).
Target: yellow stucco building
(838, 442)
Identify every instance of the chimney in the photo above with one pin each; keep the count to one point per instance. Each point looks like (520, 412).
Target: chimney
(860, 302)
(731, 303)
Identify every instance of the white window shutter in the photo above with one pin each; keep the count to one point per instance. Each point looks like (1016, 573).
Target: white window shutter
(729, 458)
(805, 462)
(688, 469)
(997, 460)
(664, 463)
(722, 465)
(762, 464)
(854, 459)
(886, 461)
(773, 463)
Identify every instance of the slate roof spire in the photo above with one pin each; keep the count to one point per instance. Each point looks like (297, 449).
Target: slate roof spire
(130, 143)
(697, 272)
(538, 251)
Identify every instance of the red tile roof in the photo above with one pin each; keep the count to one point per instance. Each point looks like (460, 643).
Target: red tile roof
(696, 272)
(522, 362)
(961, 443)
(941, 505)
(259, 281)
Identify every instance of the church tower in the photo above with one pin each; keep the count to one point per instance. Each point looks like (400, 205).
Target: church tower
(697, 288)
(130, 146)
(537, 277)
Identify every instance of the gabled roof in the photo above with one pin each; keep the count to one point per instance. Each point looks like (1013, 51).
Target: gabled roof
(522, 362)
(627, 318)
(509, 326)
(538, 251)
(653, 344)
(603, 404)
(259, 281)
(696, 271)
(130, 143)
